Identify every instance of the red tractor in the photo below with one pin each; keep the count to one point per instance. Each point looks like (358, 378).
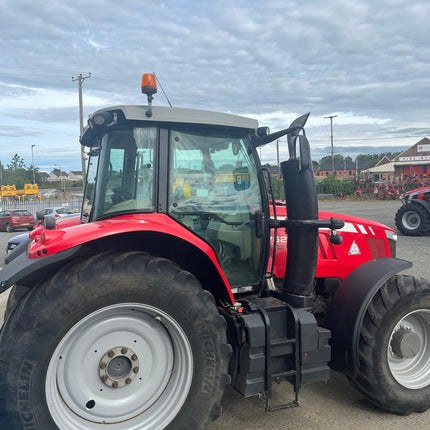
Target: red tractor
(180, 278)
(413, 217)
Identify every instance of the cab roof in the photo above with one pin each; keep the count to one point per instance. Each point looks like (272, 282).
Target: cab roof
(160, 115)
(181, 115)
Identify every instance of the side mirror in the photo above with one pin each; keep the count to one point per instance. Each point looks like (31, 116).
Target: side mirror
(305, 153)
(49, 222)
(235, 148)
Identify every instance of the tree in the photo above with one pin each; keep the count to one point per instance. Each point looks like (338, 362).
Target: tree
(326, 161)
(17, 173)
(365, 161)
(17, 164)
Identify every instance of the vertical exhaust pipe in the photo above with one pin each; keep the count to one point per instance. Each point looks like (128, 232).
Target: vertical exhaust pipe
(302, 204)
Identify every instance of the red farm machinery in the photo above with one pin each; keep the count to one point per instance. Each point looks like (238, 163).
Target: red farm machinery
(183, 276)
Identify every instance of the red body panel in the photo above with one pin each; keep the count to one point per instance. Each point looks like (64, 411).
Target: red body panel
(363, 240)
(48, 242)
(422, 193)
(422, 189)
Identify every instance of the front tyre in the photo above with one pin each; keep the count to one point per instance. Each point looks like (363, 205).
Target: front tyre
(394, 348)
(119, 341)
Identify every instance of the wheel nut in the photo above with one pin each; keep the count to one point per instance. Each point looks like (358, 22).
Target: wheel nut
(104, 378)
(111, 354)
(135, 369)
(134, 357)
(124, 350)
(128, 381)
(115, 384)
(102, 365)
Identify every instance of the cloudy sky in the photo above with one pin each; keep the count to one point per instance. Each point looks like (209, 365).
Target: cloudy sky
(368, 62)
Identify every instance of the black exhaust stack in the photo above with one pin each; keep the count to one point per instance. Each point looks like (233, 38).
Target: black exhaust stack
(302, 204)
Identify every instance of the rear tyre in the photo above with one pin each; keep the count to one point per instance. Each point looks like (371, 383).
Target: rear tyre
(9, 228)
(412, 219)
(394, 348)
(17, 292)
(121, 340)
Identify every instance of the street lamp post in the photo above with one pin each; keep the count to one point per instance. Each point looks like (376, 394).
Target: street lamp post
(62, 178)
(331, 140)
(32, 163)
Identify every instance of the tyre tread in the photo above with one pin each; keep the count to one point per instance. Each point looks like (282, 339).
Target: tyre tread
(106, 267)
(368, 378)
(423, 214)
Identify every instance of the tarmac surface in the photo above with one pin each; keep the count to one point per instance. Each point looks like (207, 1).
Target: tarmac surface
(327, 405)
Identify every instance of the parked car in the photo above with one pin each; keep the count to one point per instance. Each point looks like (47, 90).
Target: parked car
(15, 241)
(13, 219)
(55, 212)
(66, 221)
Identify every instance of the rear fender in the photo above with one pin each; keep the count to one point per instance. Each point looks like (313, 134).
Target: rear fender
(348, 306)
(196, 256)
(420, 202)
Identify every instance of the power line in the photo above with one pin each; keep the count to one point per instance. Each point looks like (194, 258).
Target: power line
(346, 139)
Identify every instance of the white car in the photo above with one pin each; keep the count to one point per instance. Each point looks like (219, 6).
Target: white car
(56, 212)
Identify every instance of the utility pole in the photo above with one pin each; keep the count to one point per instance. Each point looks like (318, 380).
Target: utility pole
(80, 79)
(279, 165)
(32, 163)
(331, 139)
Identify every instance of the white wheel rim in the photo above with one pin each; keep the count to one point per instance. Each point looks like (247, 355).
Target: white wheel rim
(412, 372)
(78, 397)
(411, 220)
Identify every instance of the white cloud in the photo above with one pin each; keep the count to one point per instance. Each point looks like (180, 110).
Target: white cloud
(21, 97)
(367, 62)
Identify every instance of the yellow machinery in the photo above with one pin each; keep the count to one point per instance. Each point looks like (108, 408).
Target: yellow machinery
(9, 192)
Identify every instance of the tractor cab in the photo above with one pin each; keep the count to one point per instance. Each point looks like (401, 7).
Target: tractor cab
(202, 170)
(205, 176)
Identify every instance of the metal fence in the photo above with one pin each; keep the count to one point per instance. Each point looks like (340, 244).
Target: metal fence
(74, 204)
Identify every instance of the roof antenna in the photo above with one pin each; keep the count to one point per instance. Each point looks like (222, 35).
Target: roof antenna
(162, 89)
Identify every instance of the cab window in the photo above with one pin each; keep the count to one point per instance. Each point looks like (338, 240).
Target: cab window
(214, 191)
(126, 171)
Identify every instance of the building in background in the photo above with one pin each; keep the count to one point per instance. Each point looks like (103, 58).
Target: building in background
(414, 162)
(342, 169)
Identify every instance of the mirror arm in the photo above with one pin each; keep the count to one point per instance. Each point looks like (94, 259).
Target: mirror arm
(293, 130)
(262, 140)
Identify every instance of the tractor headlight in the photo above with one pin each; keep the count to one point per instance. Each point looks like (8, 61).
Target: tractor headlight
(392, 241)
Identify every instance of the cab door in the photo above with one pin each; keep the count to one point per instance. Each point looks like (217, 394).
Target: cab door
(214, 190)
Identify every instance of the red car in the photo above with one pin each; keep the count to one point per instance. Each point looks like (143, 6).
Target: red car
(10, 220)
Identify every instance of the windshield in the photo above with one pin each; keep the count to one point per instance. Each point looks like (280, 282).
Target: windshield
(214, 191)
(125, 173)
